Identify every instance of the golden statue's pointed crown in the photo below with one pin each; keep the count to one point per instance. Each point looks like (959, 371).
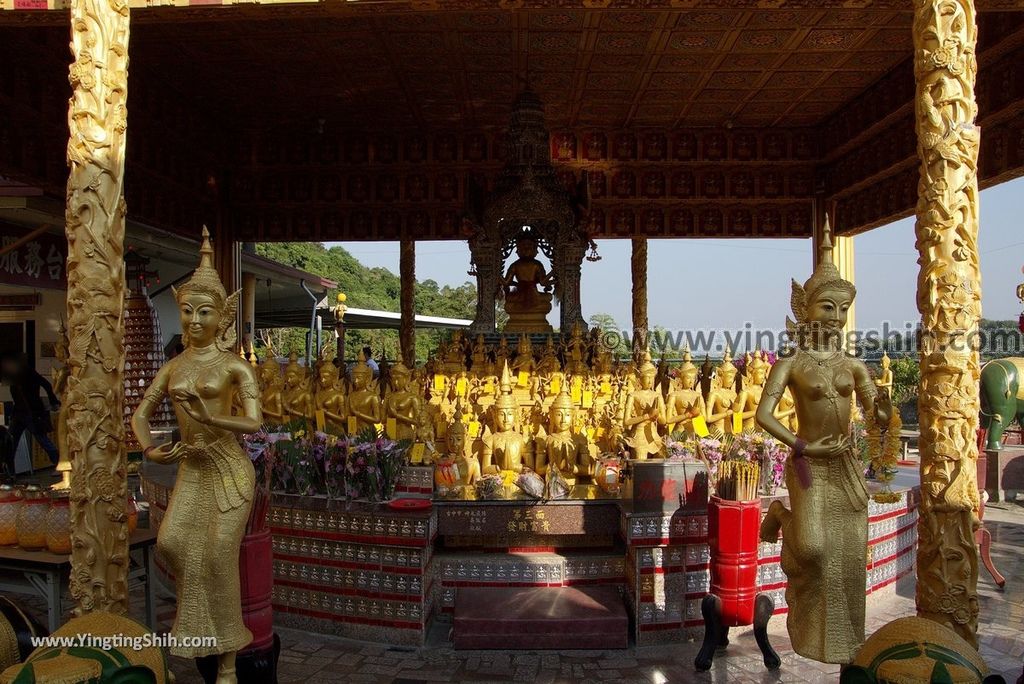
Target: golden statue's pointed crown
(826, 276)
(646, 366)
(204, 279)
(563, 400)
(505, 398)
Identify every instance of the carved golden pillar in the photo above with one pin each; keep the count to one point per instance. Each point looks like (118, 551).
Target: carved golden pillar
(949, 299)
(638, 265)
(407, 300)
(97, 119)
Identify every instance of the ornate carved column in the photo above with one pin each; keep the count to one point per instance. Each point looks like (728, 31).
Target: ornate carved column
(97, 119)
(638, 264)
(569, 270)
(949, 299)
(487, 261)
(407, 303)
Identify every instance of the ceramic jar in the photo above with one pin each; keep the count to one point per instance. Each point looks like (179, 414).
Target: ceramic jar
(58, 523)
(32, 519)
(10, 504)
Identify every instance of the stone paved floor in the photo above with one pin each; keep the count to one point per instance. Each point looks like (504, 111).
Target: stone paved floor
(314, 658)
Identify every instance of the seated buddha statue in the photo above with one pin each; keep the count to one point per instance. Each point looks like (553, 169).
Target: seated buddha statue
(685, 401)
(559, 446)
(644, 416)
(505, 448)
(455, 359)
(526, 305)
(364, 401)
(753, 387)
(501, 355)
(400, 404)
(722, 397)
(549, 362)
(479, 356)
(524, 357)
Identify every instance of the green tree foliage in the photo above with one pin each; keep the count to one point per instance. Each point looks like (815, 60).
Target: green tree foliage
(369, 288)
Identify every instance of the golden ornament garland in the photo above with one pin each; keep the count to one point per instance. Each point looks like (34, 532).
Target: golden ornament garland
(884, 455)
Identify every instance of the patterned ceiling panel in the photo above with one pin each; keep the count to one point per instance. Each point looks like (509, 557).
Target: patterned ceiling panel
(462, 69)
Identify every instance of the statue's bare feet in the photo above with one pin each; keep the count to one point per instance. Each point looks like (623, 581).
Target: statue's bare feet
(226, 677)
(772, 522)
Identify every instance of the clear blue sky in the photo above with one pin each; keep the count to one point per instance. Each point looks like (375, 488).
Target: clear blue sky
(724, 284)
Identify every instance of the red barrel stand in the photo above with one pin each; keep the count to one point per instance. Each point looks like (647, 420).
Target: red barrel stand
(733, 535)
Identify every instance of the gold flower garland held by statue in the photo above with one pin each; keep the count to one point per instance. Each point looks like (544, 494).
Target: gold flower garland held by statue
(884, 456)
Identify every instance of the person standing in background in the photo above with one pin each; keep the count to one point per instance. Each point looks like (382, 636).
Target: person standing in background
(29, 412)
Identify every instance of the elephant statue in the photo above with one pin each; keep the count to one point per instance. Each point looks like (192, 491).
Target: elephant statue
(1002, 397)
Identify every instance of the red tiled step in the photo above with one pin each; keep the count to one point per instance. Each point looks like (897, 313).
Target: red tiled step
(591, 617)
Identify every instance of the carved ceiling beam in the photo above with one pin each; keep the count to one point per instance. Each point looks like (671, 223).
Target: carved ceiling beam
(146, 11)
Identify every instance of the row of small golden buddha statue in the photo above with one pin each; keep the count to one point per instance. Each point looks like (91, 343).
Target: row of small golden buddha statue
(494, 411)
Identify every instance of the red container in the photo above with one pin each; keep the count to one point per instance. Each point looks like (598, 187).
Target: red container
(733, 534)
(256, 567)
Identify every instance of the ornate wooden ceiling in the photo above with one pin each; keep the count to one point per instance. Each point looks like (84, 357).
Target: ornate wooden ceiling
(365, 120)
(461, 70)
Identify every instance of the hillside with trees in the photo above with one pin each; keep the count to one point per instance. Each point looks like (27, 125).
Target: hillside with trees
(366, 288)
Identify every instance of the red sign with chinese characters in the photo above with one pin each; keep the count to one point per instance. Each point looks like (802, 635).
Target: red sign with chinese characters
(39, 262)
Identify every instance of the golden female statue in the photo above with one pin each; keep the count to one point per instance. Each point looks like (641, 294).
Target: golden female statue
(645, 415)
(825, 535)
(205, 521)
(402, 405)
(722, 398)
(364, 401)
(753, 388)
(685, 402)
(549, 362)
(524, 357)
(479, 357)
(505, 448)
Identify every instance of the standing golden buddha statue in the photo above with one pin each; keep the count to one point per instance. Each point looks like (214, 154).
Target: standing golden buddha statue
(505, 448)
(644, 415)
(825, 534)
(401, 405)
(722, 398)
(364, 401)
(884, 379)
(272, 396)
(754, 378)
(330, 395)
(202, 530)
(685, 402)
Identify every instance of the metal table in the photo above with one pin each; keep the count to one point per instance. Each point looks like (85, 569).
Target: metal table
(41, 573)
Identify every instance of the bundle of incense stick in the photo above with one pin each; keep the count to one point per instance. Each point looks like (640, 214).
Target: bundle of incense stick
(738, 480)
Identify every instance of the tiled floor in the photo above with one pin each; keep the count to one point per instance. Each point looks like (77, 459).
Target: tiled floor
(308, 658)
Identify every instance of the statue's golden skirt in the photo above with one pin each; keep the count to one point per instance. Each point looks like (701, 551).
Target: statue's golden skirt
(824, 552)
(200, 537)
